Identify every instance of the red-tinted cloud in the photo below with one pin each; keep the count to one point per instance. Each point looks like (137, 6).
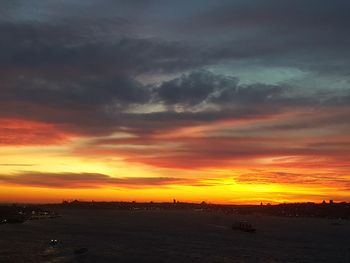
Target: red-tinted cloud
(88, 180)
(23, 133)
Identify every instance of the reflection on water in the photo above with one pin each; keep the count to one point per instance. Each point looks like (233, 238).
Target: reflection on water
(172, 236)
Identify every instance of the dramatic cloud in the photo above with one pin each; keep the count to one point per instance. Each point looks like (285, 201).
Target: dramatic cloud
(174, 86)
(86, 180)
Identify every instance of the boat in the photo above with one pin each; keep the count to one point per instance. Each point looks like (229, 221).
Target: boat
(53, 242)
(15, 219)
(243, 226)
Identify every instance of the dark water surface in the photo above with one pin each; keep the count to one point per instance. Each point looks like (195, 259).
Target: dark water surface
(173, 236)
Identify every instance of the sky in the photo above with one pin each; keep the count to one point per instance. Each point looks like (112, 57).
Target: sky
(226, 101)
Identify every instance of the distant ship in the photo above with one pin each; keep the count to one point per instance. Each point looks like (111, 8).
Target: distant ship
(243, 226)
(15, 219)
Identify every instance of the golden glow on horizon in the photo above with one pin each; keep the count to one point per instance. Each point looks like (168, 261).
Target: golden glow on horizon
(244, 181)
(216, 185)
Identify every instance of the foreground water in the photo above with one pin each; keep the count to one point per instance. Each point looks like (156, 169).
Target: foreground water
(173, 236)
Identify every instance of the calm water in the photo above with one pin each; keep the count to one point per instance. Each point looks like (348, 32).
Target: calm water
(161, 236)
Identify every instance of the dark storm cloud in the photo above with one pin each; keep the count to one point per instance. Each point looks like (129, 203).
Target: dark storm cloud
(94, 106)
(204, 86)
(74, 64)
(313, 13)
(309, 35)
(75, 92)
(308, 32)
(292, 24)
(194, 87)
(227, 93)
(39, 46)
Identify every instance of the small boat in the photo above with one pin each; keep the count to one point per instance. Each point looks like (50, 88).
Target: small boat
(243, 226)
(53, 242)
(15, 219)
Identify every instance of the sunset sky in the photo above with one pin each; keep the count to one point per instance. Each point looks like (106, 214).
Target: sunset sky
(226, 101)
